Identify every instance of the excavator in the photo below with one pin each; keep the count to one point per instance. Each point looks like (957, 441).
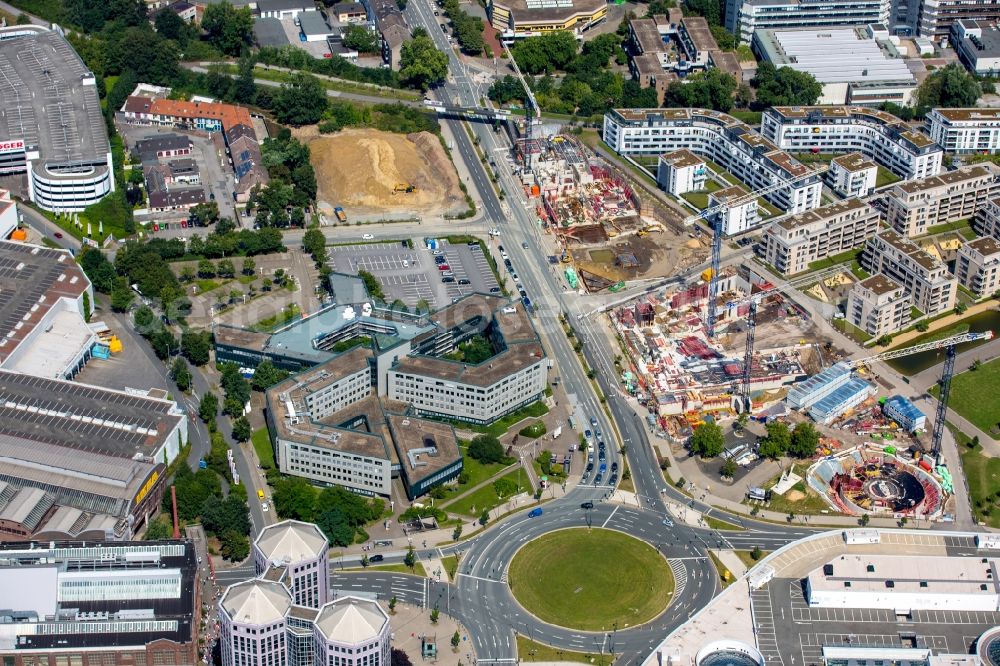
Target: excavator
(404, 187)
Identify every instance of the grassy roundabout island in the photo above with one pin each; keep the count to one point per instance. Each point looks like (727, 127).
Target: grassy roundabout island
(591, 579)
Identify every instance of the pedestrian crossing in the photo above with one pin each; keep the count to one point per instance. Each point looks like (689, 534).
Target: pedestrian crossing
(680, 577)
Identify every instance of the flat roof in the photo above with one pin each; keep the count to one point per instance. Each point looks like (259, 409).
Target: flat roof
(987, 44)
(965, 115)
(905, 246)
(925, 575)
(33, 279)
(413, 436)
(682, 158)
(962, 174)
(727, 193)
(534, 11)
(647, 35)
(985, 245)
(699, 33)
(48, 98)
(54, 349)
(313, 23)
(858, 58)
(880, 284)
(854, 162)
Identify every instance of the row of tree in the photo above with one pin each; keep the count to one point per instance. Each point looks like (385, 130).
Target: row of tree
(707, 441)
(341, 514)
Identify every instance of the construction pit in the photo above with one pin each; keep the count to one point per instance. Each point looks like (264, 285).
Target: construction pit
(370, 172)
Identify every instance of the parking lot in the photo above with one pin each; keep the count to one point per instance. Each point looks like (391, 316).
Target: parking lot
(412, 275)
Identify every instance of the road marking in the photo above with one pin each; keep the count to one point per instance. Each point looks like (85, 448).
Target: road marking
(488, 580)
(611, 516)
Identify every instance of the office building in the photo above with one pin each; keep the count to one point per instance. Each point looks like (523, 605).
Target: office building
(935, 19)
(866, 71)
(977, 44)
(852, 175)
(878, 306)
(739, 211)
(681, 171)
(987, 219)
(965, 130)
(877, 135)
(295, 553)
(252, 624)
(792, 243)
(516, 19)
(353, 632)
(124, 604)
(913, 207)
(721, 138)
(924, 277)
(51, 124)
(901, 409)
(977, 267)
(744, 17)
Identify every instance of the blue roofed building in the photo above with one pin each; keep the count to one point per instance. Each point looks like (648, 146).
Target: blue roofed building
(902, 410)
(840, 400)
(817, 387)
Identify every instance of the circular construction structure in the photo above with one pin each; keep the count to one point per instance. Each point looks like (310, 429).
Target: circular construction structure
(878, 480)
(988, 647)
(728, 653)
(591, 579)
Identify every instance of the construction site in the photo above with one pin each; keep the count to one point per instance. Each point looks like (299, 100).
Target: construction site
(599, 219)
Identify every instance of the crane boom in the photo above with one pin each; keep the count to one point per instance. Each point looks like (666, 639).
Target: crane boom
(524, 83)
(916, 349)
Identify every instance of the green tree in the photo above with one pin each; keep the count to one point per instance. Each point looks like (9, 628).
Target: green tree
(244, 87)
(235, 546)
(181, 375)
(961, 307)
(294, 498)
(335, 526)
(241, 429)
(157, 529)
(456, 640)
(121, 295)
(505, 487)
(775, 444)
(484, 517)
(922, 326)
(784, 86)
(226, 268)
(361, 39)
(486, 449)
(208, 408)
(710, 9)
(884, 341)
(435, 615)
(728, 468)
(249, 266)
(805, 439)
(100, 271)
(364, 560)
(206, 269)
(545, 53)
(707, 90)
(314, 242)
(756, 553)
(950, 86)
(372, 285)
(267, 375)
(196, 346)
(421, 64)
(163, 343)
(410, 559)
(392, 604)
(227, 28)
(707, 440)
(169, 25)
(301, 101)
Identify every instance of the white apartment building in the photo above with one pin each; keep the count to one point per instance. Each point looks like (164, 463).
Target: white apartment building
(794, 242)
(965, 130)
(728, 142)
(878, 306)
(852, 175)
(743, 17)
(877, 135)
(915, 206)
(987, 220)
(978, 266)
(741, 212)
(681, 171)
(924, 277)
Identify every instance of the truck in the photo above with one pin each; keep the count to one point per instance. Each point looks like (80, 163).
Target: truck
(341, 215)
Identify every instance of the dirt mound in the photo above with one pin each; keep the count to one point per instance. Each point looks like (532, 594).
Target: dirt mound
(359, 169)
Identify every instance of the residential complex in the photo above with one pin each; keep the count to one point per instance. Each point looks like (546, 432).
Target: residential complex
(878, 306)
(114, 604)
(986, 222)
(51, 125)
(877, 135)
(739, 211)
(728, 142)
(516, 19)
(924, 277)
(867, 69)
(284, 616)
(965, 130)
(913, 207)
(744, 17)
(978, 266)
(681, 171)
(852, 175)
(791, 244)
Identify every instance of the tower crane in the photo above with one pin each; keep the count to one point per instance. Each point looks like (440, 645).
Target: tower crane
(530, 106)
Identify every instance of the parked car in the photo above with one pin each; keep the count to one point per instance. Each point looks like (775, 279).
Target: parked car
(368, 237)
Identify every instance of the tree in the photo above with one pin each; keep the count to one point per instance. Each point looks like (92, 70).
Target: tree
(399, 658)
(545, 53)
(756, 553)
(314, 242)
(950, 86)
(157, 529)
(100, 271)
(435, 615)
(456, 533)
(244, 87)
(421, 64)
(301, 101)
(410, 559)
(707, 440)
(961, 307)
(235, 546)
(241, 429)
(710, 9)
(267, 375)
(206, 269)
(505, 487)
(776, 442)
(226, 268)
(805, 439)
(922, 325)
(169, 25)
(784, 86)
(196, 346)
(361, 39)
(294, 498)
(334, 524)
(456, 640)
(708, 90)
(249, 266)
(163, 343)
(227, 28)
(486, 449)
(728, 468)
(208, 407)
(181, 375)
(484, 517)
(392, 609)
(121, 295)
(884, 341)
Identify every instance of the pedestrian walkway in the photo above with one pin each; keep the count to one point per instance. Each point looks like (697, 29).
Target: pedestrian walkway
(731, 561)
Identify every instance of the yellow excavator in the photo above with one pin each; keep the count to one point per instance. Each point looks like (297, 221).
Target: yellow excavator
(404, 187)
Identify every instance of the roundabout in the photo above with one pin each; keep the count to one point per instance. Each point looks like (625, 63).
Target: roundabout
(591, 579)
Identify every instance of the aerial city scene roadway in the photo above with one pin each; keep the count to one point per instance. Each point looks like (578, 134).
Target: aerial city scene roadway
(488, 332)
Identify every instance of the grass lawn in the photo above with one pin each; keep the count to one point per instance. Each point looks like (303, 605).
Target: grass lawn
(975, 394)
(885, 177)
(208, 284)
(747, 559)
(262, 445)
(725, 575)
(418, 569)
(697, 199)
(957, 225)
(983, 475)
(450, 564)
(474, 473)
(475, 502)
(748, 117)
(814, 158)
(851, 331)
(564, 578)
(717, 524)
(841, 258)
(811, 503)
(500, 428)
(766, 209)
(859, 272)
(529, 650)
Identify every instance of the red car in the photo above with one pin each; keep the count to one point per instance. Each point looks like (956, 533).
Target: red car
(444, 267)
(57, 234)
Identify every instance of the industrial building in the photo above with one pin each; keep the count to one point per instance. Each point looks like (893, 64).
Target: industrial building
(977, 44)
(877, 135)
(841, 400)
(123, 604)
(807, 393)
(295, 554)
(907, 583)
(516, 19)
(867, 70)
(681, 171)
(42, 304)
(915, 206)
(82, 461)
(901, 409)
(878, 306)
(51, 124)
(977, 267)
(965, 130)
(925, 277)
(744, 17)
(722, 138)
(794, 242)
